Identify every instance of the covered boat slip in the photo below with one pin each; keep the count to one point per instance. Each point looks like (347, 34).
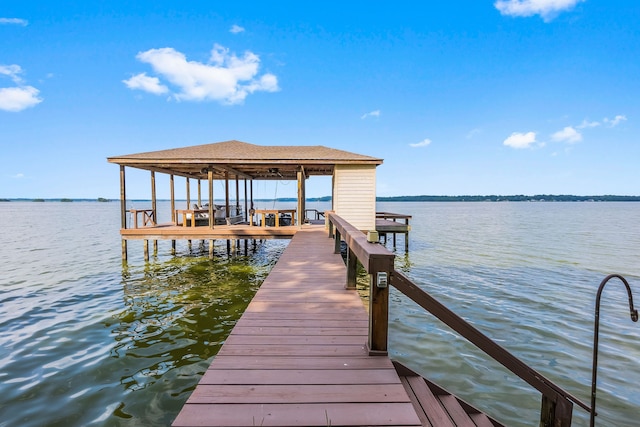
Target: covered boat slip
(233, 162)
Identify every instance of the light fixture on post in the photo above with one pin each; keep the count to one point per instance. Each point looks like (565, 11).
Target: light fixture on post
(634, 318)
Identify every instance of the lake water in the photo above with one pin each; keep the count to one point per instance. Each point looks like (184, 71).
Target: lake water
(88, 340)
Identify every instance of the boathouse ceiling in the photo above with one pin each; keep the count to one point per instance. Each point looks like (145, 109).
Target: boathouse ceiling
(236, 159)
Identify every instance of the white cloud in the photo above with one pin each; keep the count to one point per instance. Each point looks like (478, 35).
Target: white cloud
(21, 96)
(18, 176)
(12, 71)
(520, 140)
(547, 9)
(615, 121)
(422, 143)
(235, 29)
(14, 21)
(375, 113)
(16, 99)
(587, 124)
(148, 84)
(226, 78)
(568, 134)
(473, 132)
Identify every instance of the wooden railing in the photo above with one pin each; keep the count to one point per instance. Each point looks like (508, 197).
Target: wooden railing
(393, 216)
(557, 404)
(317, 215)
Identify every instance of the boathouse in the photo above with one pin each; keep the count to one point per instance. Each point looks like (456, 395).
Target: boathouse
(353, 193)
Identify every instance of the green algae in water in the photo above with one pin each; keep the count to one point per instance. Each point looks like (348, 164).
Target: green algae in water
(177, 315)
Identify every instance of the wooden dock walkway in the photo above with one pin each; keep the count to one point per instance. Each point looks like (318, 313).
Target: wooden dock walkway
(297, 355)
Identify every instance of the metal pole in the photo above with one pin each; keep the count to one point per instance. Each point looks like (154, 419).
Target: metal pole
(594, 371)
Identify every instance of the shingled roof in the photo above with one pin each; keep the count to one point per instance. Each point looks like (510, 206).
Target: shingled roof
(246, 160)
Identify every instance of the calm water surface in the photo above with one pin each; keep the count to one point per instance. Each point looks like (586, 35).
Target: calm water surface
(86, 340)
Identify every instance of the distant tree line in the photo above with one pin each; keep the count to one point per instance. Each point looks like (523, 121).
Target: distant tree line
(490, 198)
(513, 198)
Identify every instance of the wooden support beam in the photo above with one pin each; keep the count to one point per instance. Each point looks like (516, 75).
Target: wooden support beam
(188, 198)
(555, 412)
(237, 196)
(226, 195)
(352, 269)
(199, 193)
(246, 205)
(173, 199)
(211, 204)
(173, 209)
(123, 210)
(406, 235)
(153, 195)
(154, 208)
(123, 199)
(228, 169)
(251, 208)
(336, 246)
(301, 195)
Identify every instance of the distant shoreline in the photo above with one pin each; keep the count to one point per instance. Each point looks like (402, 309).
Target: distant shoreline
(422, 198)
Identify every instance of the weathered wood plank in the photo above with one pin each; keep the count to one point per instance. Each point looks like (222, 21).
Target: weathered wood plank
(297, 339)
(321, 414)
(248, 322)
(481, 420)
(295, 350)
(457, 414)
(297, 393)
(306, 297)
(300, 376)
(317, 315)
(311, 307)
(308, 362)
(291, 330)
(430, 404)
(424, 420)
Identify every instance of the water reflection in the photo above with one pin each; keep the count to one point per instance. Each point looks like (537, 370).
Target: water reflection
(177, 314)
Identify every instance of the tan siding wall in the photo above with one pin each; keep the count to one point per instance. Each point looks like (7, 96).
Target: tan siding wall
(354, 195)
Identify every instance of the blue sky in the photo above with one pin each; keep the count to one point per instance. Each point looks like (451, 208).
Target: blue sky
(460, 97)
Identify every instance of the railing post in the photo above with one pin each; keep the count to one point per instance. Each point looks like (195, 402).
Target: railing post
(330, 228)
(556, 411)
(352, 269)
(336, 248)
(406, 235)
(379, 308)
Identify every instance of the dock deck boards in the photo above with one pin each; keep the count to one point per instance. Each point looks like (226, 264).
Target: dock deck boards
(238, 231)
(297, 355)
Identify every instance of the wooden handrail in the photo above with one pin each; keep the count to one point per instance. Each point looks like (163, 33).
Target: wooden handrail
(377, 261)
(481, 341)
(557, 403)
(385, 215)
(372, 256)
